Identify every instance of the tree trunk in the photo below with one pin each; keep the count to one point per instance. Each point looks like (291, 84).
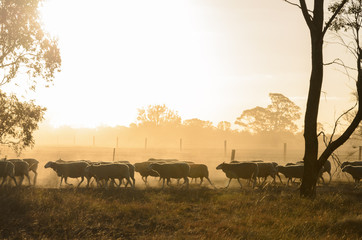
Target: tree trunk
(311, 166)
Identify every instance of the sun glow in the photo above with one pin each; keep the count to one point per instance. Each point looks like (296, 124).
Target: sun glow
(207, 59)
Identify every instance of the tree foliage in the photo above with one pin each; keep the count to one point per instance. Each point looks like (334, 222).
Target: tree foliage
(18, 120)
(157, 115)
(24, 46)
(197, 123)
(279, 116)
(27, 54)
(224, 126)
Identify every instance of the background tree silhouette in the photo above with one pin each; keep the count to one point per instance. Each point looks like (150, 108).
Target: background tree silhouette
(157, 115)
(279, 116)
(27, 55)
(197, 123)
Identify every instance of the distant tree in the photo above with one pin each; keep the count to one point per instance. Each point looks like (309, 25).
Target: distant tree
(280, 116)
(197, 123)
(18, 120)
(27, 55)
(224, 126)
(24, 46)
(158, 115)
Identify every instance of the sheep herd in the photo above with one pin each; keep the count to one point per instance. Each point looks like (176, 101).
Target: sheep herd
(106, 174)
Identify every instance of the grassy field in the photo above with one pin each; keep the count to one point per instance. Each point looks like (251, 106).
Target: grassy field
(268, 212)
(275, 212)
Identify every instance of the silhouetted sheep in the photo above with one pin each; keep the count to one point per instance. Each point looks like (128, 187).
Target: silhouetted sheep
(171, 170)
(109, 171)
(198, 170)
(21, 169)
(7, 169)
(355, 163)
(244, 170)
(355, 171)
(33, 166)
(68, 169)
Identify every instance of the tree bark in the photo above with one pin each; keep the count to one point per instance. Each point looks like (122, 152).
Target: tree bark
(311, 166)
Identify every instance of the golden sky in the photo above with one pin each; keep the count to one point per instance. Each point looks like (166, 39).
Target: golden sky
(206, 59)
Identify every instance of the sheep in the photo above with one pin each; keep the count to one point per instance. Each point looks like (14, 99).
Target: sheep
(109, 171)
(68, 169)
(327, 167)
(355, 171)
(292, 171)
(171, 170)
(355, 163)
(33, 166)
(7, 169)
(245, 170)
(21, 169)
(268, 169)
(131, 171)
(199, 171)
(143, 169)
(130, 166)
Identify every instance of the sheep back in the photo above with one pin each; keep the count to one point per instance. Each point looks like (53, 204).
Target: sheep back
(171, 170)
(7, 169)
(198, 170)
(245, 170)
(106, 171)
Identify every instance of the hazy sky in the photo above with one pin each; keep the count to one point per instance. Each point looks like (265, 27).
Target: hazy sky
(206, 59)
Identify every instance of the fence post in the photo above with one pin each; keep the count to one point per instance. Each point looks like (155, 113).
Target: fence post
(285, 152)
(114, 153)
(360, 153)
(233, 155)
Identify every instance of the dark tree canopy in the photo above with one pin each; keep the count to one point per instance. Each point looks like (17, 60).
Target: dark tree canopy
(279, 116)
(18, 120)
(27, 55)
(24, 46)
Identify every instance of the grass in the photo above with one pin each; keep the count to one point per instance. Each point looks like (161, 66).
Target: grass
(275, 212)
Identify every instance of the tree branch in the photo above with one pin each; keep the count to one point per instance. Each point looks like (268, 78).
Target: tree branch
(308, 18)
(328, 24)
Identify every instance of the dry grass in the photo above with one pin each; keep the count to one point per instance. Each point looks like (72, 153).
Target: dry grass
(275, 212)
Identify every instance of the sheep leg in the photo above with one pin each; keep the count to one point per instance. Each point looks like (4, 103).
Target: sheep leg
(208, 179)
(61, 180)
(65, 180)
(21, 180)
(330, 177)
(201, 180)
(168, 181)
(186, 181)
(4, 178)
(35, 176)
(134, 182)
(129, 182)
(81, 181)
(28, 177)
(228, 183)
(241, 186)
(279, 178)
(163, 183)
